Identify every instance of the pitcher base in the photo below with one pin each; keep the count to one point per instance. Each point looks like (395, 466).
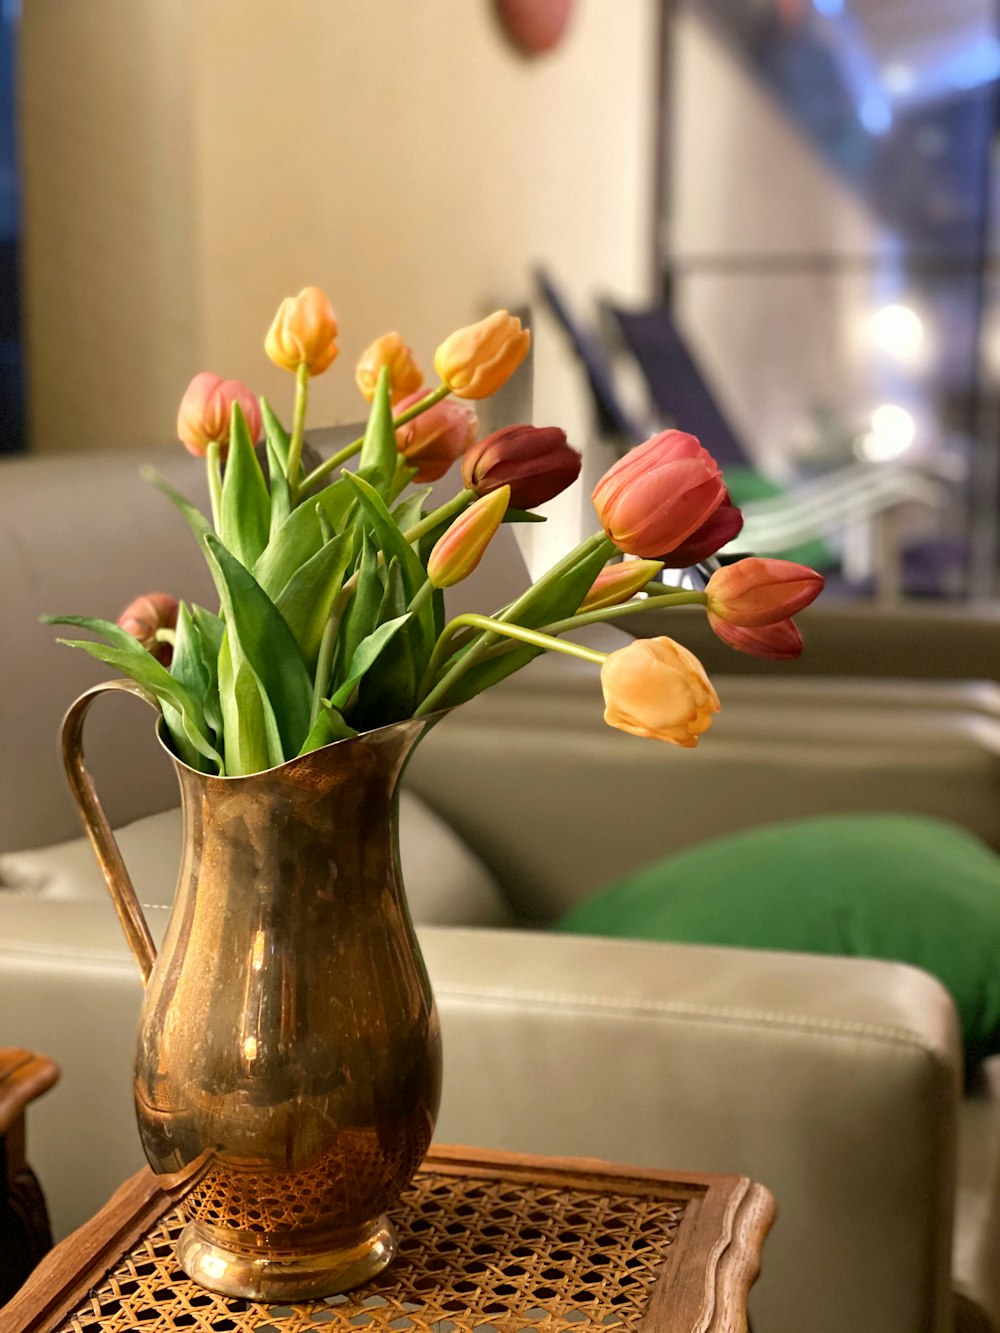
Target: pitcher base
(326, 1268)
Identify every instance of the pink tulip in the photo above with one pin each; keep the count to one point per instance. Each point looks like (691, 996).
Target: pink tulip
(761, 590)
(457, 553)
(659, 494)
(780, 641)
(534, 461)
(717, 531)
(206, 412)
(145, 615)
(432, 441)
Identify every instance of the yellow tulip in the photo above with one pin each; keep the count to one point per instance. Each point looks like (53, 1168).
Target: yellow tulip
(304, 332)
(405, 376)
(476, 361)
(658, 689)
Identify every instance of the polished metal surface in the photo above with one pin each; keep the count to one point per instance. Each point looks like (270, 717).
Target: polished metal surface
(288, 1066)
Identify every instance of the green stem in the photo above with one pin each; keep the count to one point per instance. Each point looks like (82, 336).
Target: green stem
(438, 516)
(213, 464)
(425, 591)
(681, 597)
(293, 465)
(520, 632)
(523, 603)
(324, 663)
(334, 461)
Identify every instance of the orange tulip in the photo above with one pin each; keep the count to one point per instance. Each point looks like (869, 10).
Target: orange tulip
(304, 331)
(658, 689)
(476, 361)
(432, 441)
(206, 412)
(617, 583)
(761, 590)
(780, 641)
(390, 351)
(459, 551)
(659, 494)
(145, 615)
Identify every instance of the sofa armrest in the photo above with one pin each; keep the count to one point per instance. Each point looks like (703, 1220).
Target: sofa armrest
(834, 1082)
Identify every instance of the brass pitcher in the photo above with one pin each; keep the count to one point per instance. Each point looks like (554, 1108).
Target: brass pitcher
(288, 1066)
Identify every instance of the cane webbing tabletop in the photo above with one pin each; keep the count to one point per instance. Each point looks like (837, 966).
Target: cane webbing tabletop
(487, 1242)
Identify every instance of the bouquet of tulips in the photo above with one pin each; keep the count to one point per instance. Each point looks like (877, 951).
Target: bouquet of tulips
(331, 617)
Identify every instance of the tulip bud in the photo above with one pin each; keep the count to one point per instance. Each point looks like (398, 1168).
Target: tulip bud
(304, 331)
(206, 412)
(659, 494)
(145, 615)
(535, 462)
(760, 590)
(433, 440)
(717, 531)
(476, 361)
(658, 689)
(457, 553)
(780, 641)
(390, 351)
(617, 583)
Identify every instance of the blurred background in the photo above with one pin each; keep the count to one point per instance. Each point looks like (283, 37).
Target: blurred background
(770, 222)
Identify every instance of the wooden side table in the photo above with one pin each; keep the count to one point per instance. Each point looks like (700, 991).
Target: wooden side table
(488, 1241)
(24, 1221)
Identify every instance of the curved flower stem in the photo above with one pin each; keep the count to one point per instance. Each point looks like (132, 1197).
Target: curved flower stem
(324, 663)
(293, 465)
(213, 464)
(425, 591)
(349, 450)
(458, 669)
(679, 597)
(520, 632)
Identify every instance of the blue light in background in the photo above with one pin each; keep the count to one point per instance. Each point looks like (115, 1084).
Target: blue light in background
(875, 114)
(977, 64)
(831, 8)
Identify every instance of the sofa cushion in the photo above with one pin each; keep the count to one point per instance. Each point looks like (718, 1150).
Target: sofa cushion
(445, 883)
(897, 887)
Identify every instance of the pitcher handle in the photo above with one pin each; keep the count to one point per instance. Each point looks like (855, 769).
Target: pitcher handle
(95, 821)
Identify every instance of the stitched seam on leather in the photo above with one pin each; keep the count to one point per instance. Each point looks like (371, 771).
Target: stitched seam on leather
(623, 1007)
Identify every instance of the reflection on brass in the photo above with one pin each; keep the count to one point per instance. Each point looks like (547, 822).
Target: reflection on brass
(289, 1056)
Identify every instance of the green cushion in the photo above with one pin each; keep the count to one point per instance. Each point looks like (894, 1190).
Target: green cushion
(746, 484)
(898, 887)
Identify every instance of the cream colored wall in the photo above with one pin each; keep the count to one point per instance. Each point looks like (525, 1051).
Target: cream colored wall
(400, 155)
(745, 182)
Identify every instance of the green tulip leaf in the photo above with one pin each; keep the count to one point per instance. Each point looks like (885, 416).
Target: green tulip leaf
(252, 741)
(126, 654)
(276, 444)
(301, 536)
(365, 656)
(196, 520)
(257, 632)
(522, 516)
(411, 510)
(378, 452)
(328, 727)
(274, 432)
(361, 616)
(194, 665)
(245, 511)
(307, 599)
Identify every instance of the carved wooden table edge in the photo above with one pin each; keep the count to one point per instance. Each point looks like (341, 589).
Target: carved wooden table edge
(25, 1234)
(726, 1221)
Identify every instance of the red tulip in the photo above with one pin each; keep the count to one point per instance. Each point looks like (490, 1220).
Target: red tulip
(145, 615)
(780, 641)
(206, 411)
(659, 494)
(535, 462)
(717, 531)
(432, 441)
(761, 590)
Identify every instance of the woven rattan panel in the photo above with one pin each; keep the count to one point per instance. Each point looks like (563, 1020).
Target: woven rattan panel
(474, 1254)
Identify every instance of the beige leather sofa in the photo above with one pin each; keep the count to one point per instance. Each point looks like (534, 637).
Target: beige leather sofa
(837, 1083)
